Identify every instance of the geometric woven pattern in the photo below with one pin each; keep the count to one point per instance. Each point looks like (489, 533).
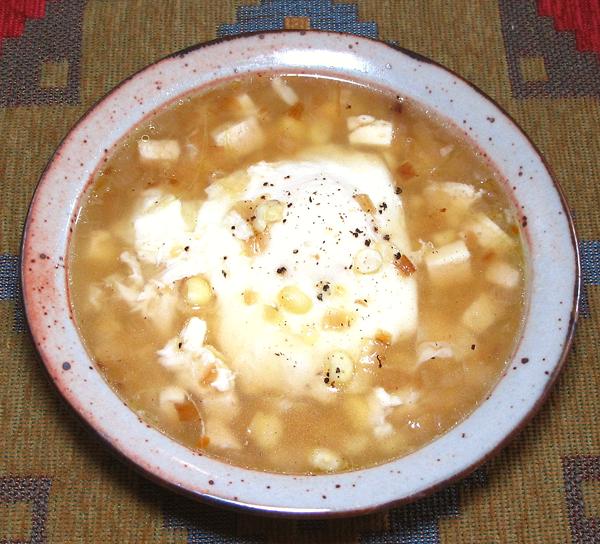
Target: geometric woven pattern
(565, 71)
(305, 14)
(537, 58)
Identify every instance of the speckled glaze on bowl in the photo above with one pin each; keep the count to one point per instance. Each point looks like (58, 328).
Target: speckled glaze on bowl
(552, 254)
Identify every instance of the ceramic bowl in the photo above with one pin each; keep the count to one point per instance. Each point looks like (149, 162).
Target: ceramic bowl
(551, 252)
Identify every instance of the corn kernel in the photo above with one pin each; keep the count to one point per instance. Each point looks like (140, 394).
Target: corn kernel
(292, 299)
(339, 368)
(265, 430)
(250, 297)
(271, 314)
(198, 291)
(267, 212)
(367, 261)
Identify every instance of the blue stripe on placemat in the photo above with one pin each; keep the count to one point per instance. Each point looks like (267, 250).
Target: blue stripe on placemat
(10, 288)
(590, 271)
(322, 15)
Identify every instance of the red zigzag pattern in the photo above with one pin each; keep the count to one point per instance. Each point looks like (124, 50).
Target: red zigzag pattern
(14, 13)
(580, 16)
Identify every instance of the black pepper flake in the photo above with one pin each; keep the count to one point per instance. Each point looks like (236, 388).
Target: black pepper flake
(186, 248)
(286, 177)
(473, 347)
(524, 360)
(282, 270)
(398, 190)
(326, 287)
(367, 242)
(397, 255)
(265, 183)
(386, 237)
(224, 273)
(295, 251)
(289, 205)
(179, 345)
(320, 296)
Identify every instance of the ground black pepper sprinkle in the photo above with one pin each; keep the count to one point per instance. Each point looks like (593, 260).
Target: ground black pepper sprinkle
(282, 270)
(386, 237)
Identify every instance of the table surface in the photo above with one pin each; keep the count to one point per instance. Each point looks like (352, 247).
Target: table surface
(539, 59)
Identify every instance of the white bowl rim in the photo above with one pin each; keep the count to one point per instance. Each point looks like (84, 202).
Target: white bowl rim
(163, 460)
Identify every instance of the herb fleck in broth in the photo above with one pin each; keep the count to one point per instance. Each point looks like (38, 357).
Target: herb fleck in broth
(298, 274)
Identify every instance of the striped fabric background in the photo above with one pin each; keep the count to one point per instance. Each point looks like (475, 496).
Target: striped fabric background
(539, 59)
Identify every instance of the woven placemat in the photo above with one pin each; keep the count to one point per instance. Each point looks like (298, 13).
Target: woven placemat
(538, 59)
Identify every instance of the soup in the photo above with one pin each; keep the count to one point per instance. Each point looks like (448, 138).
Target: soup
(298, 274)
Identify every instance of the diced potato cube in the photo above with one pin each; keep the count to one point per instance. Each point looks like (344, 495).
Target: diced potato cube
(339, 368)
(242, 137)
(284, 91)
(378, 133)
(433, 350)
(293, 299)
(449, 263)
(452, 199)
(488, 234)
(102, 246)
(246, 105)
(502, 274)
(358, 121)
(326, 460)
(367, 261)
(265, 430)
(198, 291)
(457, 190)
(162, 150)
(481, 314)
